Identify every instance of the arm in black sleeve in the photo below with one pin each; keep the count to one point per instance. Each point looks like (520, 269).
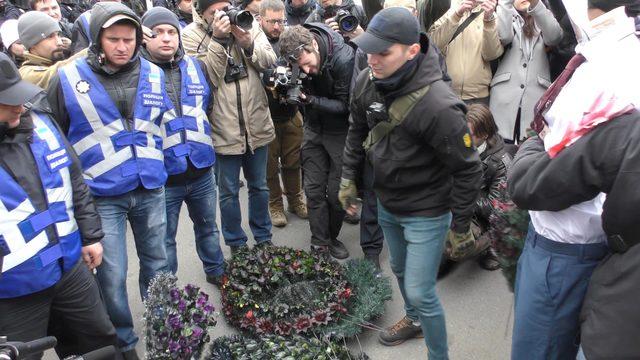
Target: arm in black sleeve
(354, 154)
(339, 103)
(448, 134)
(484, 205)
(84, 208)
(576, 174)
(56, 102)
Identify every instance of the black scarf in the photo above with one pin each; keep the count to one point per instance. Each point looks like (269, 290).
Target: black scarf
(398, 78)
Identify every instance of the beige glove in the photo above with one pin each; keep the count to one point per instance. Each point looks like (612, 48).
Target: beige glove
(459, 245)
(348, 194)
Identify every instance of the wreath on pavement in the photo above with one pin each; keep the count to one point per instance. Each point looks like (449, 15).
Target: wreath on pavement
(270, 347)
(284, 291)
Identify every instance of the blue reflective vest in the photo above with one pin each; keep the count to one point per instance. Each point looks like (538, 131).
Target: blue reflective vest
(189, 135)
(116, 158)
(31, 260)
(85, 22)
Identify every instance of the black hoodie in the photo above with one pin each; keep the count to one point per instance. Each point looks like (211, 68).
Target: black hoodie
(121, 85)
(298, 16)
(427, 165)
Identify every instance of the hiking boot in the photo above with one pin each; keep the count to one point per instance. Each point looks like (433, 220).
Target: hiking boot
(352, 219)
(489, 260)
(300, 209)
(278, 219)
(338, 250)
(263, 244)
(217, 280)
(237, 249)
(400, 332)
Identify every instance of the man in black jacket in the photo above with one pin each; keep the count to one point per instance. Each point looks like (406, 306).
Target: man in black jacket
(299, 10)
(321, 53)
(425, 166)
(50, 231)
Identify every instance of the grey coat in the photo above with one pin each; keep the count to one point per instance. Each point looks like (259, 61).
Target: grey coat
(523, 75)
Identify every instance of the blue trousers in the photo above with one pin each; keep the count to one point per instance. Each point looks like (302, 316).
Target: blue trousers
(415, 247)
(146, 212)
(551, 283)
(201, 197)
(254, 167)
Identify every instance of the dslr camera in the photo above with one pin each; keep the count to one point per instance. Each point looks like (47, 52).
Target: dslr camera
(234, 71)
(286, 82)
(240, 18)
(346, 21)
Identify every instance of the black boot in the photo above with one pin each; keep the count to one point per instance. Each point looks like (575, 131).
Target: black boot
(489, 260)
(338, 250)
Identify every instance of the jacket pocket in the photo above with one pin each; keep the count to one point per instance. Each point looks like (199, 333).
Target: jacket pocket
(543, 82)
(500, 78)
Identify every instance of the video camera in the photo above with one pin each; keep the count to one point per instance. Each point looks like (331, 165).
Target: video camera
(286, 82)
(240, 18)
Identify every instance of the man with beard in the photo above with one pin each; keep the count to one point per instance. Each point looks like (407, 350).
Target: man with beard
(284, 151)
(40, 35)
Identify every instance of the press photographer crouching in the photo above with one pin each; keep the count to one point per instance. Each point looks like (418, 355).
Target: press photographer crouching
(235, 51)
(323, 55)
(284, 85)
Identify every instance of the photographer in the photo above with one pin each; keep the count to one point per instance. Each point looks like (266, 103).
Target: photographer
(323, 54)
(284, 151)
(332, 13)
(235, 51)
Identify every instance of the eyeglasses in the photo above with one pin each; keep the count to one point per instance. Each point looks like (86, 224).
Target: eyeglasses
(276, 21)
(295, 54)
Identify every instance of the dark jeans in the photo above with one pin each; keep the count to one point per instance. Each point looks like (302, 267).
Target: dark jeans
(71, 310)
(254, 168)
(201, 197)
(551, 283)
(371, 235)
(322, 167)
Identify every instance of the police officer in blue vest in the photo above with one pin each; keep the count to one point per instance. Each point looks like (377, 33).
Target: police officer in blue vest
(111, 106)
(50, 231)
(188, 147)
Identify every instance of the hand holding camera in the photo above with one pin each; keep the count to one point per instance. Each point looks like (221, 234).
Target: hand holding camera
(466, 5)
(489, 7)
(221, 26)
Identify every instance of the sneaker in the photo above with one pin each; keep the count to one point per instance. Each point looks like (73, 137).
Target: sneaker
(237, 249)
(300, 209)
(352, 219)
(267, 243)
(489, 260)
(130, 355)
(217, 280)
(278, 219)
(338, 250)
(400, 332)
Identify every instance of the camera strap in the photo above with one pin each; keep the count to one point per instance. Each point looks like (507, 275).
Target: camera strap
(398, 111)
(464, 25)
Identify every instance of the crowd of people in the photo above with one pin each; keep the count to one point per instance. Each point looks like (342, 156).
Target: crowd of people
(113, 112)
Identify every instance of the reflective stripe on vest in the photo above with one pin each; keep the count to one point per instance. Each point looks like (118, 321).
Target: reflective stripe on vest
(116, 159)
(29, 256)
(85, 21)
(190, 134)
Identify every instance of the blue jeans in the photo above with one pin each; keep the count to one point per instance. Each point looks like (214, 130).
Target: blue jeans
(415, 248)
(550, 287)
(201, 197)
(146, 212)
(254, 167)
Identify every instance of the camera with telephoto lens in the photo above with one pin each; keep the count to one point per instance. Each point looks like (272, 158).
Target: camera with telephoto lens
(286, 81)
(346, 21)
(234, 71)
(240, 18)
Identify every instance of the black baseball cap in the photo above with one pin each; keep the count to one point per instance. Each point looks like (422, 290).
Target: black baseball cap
(13, 90)
(394, 25)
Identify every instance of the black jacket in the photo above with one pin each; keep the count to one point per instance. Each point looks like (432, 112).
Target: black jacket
(427, 165)
(173, 86)
(328, 92)
(319, 14)
(122, 85)
(495, 162)
(605, 160)
(16, 158)
(298, 16)
(79, 38)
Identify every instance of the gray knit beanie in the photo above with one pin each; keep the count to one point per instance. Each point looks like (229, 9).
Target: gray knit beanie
(160, 16)
(35, 26)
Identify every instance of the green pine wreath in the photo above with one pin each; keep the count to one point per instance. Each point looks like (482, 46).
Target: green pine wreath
(285, 291)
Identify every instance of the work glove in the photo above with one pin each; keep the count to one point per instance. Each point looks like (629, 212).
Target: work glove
(460, 245)
(348, 194)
